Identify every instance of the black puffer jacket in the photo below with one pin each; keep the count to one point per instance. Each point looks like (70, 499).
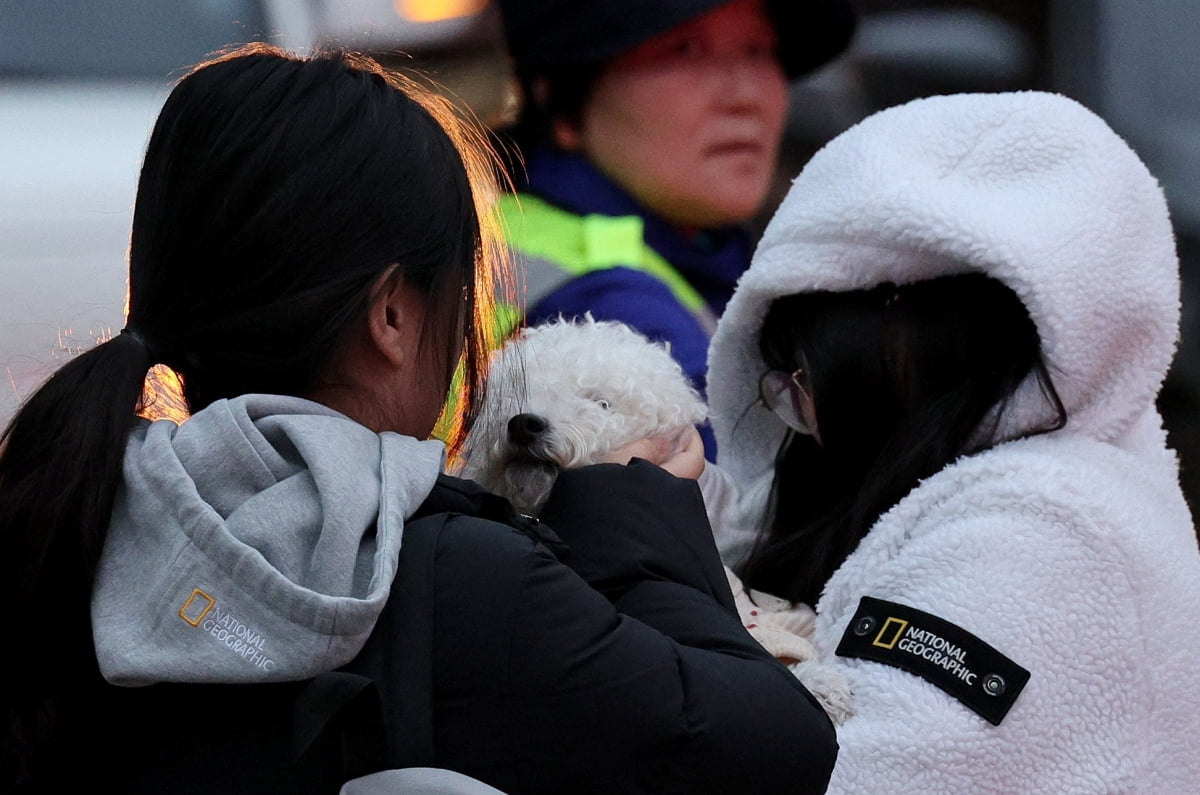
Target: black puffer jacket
(625, 670)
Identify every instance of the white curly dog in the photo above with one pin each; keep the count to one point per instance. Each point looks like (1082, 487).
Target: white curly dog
(566, 394)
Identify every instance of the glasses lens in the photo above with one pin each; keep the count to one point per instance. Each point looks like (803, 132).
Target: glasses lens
(782, 393)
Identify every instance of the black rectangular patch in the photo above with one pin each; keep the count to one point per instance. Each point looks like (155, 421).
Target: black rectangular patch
(939, 652)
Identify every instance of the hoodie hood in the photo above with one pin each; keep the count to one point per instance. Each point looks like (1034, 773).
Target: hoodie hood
(1028, 187)
(257, 541)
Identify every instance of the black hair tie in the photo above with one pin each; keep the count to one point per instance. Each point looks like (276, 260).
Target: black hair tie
(136, 336)
(140, 339)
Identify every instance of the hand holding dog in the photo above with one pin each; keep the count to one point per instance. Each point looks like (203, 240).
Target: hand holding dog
(682, 455)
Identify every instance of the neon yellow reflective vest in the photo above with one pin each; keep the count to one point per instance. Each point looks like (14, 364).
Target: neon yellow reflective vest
(554, 246)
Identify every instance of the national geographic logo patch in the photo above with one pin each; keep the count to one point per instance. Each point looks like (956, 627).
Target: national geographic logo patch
(201, 611)
(939, 652)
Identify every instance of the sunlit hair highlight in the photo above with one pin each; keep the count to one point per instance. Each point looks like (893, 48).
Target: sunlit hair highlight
(276, 191)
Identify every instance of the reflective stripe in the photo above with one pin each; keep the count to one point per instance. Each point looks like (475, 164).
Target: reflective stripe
(541, 276)
(554, 246)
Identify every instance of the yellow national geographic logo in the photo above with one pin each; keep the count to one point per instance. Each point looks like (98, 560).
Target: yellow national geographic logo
(201, 611)
(196, 607)
(890, 633)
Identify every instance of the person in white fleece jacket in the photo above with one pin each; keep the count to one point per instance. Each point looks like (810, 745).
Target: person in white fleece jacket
(969, 304)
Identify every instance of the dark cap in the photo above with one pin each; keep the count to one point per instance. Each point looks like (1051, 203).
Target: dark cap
(551, 33)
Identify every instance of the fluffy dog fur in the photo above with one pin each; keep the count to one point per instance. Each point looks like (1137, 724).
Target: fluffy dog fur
(565, 394)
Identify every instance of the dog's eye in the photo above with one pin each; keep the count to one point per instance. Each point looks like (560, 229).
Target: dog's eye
(602, 403)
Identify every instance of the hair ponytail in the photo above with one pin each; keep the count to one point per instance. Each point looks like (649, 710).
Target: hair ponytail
(275, 191)
(60, 465)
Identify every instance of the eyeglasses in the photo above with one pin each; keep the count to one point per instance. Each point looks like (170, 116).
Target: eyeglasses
(789, 395)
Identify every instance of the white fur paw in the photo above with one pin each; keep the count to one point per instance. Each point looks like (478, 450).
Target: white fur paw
(828, 685)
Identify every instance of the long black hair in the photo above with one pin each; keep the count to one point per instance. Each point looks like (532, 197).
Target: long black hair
(905, 380)
(275, 192)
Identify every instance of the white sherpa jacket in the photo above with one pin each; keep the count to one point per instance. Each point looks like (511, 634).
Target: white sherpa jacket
(1071, 553)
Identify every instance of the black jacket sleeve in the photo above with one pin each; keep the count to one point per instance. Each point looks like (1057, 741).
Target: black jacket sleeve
(628, 525)
(626, 671)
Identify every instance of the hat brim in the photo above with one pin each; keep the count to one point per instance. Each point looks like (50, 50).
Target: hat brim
(811, 32)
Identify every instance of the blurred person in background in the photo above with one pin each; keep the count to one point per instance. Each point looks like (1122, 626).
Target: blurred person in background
(648, 135)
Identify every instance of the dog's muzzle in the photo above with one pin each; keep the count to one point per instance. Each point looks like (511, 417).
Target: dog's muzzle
(530, 471)
(525, 429)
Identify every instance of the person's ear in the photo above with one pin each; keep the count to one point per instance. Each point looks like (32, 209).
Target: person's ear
(566, 135)
(390, 318)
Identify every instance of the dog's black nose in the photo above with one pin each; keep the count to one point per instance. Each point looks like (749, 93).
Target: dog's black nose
(525, 428)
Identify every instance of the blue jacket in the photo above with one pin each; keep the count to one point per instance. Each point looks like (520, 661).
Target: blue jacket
(709, 260)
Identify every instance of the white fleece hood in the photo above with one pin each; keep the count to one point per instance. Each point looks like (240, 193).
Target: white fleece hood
(257, 541)
(1028, 187)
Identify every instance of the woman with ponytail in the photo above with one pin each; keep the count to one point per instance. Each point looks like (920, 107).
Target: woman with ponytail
(279, 589)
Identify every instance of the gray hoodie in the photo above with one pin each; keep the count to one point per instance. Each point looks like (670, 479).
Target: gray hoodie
(256, 541)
